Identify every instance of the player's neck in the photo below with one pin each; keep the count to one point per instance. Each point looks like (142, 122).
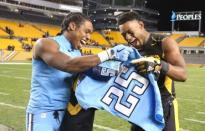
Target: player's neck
(69, 38)
(147, 35)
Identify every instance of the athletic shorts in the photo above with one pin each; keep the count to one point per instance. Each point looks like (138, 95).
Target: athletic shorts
(46, 121)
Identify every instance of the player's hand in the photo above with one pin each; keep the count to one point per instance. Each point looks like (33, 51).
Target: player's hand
(119, 52)
(146, 65)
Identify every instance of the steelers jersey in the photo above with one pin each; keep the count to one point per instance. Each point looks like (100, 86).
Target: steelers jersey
(153, 47)
(76, 118)
(73, 106)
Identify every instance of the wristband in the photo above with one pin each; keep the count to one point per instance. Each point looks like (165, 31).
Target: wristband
(106, 55)
(164, 67)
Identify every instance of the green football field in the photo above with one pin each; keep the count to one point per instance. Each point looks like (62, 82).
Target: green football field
(14, 94)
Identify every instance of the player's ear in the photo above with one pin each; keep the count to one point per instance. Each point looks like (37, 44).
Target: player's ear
(141, 24)
(72, 26)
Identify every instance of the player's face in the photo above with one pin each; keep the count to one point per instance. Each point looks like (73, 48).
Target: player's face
(83, 33)
(132, 31)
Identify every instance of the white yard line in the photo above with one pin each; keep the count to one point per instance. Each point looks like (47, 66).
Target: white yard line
(6, 71)
(195, 120)
(26, 91)
(8, 68)
(202, 113)
(12, 106)
(192, 100)
(15, 77)
(105, 128)
(181, 129)
(14, 63)
(4, 94)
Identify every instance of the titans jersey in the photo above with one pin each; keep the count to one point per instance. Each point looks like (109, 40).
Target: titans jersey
(128, 95)
(49, 86)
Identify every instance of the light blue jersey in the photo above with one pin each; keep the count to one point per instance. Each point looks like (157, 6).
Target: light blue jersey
(50, 88)
(129, 95)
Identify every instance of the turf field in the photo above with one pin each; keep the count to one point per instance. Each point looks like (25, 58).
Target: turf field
(14, 93)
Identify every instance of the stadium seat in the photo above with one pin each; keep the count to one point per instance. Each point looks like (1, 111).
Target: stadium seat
(52, 30)
(92, 50)
(97, 37)
(22, 56)
(4, 43)
(2, 33)
(191, 42)
(21, 29)
(116, 37)
(177, 36)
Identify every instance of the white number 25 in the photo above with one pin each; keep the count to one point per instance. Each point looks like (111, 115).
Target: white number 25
(138, 89)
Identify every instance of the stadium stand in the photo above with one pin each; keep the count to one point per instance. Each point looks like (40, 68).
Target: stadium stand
(5, 43)
(115, 37)
(51, 30)
(3, 33)
(8, 55)
(5, 55)
(91, 50)
(178, 37)
(22, 56)
(20, 29)
(97, 37)
(192, 42)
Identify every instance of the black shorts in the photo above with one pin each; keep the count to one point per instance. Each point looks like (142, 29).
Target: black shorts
(83, 121)
(170, 109)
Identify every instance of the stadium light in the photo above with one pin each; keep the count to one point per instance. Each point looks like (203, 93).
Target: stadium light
(71, 8)
(145, 2)
(48, 14)
(16, 10)
(116, 13)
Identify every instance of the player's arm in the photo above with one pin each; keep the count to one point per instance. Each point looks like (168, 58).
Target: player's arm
(176, 64)
(48, 50)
